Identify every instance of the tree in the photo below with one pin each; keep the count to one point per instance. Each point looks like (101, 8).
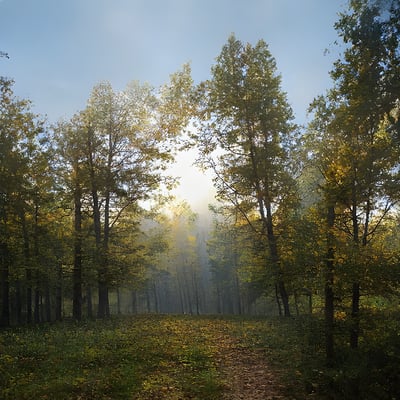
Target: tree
(117, 151)
(244, 137)
(354, 144)
(72, 178)
(19, 163)
(367, 80)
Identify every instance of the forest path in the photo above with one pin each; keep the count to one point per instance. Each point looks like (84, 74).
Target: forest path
(245, 371)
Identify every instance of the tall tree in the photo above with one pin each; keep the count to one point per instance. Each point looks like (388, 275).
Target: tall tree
(355, 139)
(19, 129)
(244, 137)
(128, 142)
(72, 179)
(367, 79)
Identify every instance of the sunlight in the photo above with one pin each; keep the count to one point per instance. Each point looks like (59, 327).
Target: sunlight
(195, 186)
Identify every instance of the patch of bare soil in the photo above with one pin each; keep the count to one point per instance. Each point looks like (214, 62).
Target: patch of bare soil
(246, 373)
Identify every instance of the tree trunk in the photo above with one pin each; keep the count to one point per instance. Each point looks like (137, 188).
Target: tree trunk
(29, 307)
(77, 269)
(355, 316)
(296, 302)
(329, 293)
(238, 292)
(265, 210)
(278, 300)
(355, 304)
(103, 310)
(195, 292)
(89, 303)
(37, 292)
(5, 285)
(181, 293)
(47, 302)
(155, 294)
(104, 305)
(148, 299)
(275, 260)
(100, 257)
(134, 302)
(28, 269)
(284, 297)
(36, 313)
(219, 298)
(18, 302)
(58, 311)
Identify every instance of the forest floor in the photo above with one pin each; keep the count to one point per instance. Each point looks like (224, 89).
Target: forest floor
(247, 372)
(147, 357)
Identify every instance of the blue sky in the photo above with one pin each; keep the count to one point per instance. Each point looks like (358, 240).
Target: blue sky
(59, 49)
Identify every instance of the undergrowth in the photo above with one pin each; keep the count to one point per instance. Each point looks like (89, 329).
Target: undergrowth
(174, 357)
(146, 357)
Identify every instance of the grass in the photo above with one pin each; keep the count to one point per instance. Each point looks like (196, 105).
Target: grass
(174, 357)
(138, 357)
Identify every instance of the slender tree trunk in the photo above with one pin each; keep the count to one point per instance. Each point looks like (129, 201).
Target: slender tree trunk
(134, 302)
(29, 306)
(180, 290)
(103, 310)
(355, 316)
(196, 292)
(265, 210)
(329, 293)
(5, 285)
(284, 297)
(103, 306)
(77, 270)
(275, 260)
(155, 295)
(296, 303)
(47, 302)
(38, 281)
(18, 302)
(28, 269)
(119, 301)
(188, 288)
(58, 311)
(36, 312)
(355, 304)
(89, 302)
(219, 298)
(278, 300)
(238, 292)
(148, 300)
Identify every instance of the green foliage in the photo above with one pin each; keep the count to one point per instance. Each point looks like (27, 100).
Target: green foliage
(245, 137)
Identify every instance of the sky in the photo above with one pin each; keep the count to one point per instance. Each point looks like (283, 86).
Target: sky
(59, 49)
